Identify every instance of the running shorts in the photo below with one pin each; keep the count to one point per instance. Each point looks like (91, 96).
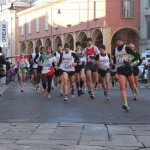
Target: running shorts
(92, 67)
(70, 73)
(102, 73)
(135, 71)
(125, 71)
(58, 72)
(78, 68)
(113, 73)
(39, 69)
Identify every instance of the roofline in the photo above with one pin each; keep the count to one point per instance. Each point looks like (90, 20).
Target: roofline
(26, 11)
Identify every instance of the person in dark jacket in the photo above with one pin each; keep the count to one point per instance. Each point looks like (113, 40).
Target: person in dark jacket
(7, 71)
(2, 60)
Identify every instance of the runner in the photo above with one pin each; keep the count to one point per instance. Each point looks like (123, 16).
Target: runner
(22, 65)
(35, 58)
(104, 61)
(68, 61)
(79, 69)
(121, 57)
(31, 72)
(39, 70)
(59, 72)
(135, 67)
(114, 76)
(91, 67)
(48, 61)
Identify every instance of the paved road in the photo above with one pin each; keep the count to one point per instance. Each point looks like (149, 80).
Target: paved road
(32, 107)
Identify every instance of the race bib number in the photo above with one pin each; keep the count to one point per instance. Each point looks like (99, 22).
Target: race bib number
(68, 65)
(120, 59)
(104, 65)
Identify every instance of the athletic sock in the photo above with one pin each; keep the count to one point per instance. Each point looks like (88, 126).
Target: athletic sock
(96, 84)
(77, 85)
(81, 84)
(125, 103)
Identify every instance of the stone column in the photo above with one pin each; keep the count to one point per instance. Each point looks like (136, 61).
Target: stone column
(107, 38)
(75, 39)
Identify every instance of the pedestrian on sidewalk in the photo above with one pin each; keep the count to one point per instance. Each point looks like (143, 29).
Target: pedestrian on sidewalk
(2, 62)
(7, 71)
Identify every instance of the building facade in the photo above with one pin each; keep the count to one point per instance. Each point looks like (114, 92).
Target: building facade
(68, 21)
(145, 25)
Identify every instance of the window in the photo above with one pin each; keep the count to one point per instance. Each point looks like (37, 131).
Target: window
(95, 10)
(22, 29)
(37, 25)
(29, 27)
(148, 27)
(128, 9)
(46, 22)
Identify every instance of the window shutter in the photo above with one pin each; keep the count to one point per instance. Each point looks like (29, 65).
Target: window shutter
(132, 8)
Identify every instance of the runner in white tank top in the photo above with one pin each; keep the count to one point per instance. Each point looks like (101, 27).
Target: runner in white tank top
(68, 61)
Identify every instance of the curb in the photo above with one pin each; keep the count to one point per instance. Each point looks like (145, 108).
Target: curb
(3, 88)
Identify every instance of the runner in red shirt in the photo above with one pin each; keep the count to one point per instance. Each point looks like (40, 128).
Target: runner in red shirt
(91, 67)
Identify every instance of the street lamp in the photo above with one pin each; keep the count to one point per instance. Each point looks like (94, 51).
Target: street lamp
(12, 7)
(59, 12)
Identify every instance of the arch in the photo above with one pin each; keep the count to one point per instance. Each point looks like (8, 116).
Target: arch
(57, 41)
(23, 47)
(129, 34)
(47, 42)
(38, 43)
(97, 37)
(69, 39)
(82, 37)
(30, 47)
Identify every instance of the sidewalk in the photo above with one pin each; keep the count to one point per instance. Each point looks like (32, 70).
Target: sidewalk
(3, 88)
(73, 136)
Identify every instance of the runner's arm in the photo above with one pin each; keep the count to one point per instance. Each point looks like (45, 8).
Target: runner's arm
(76, 58)
(96, 50)
(131, 52)
(60, 60)
(110, 60)
(140, 60)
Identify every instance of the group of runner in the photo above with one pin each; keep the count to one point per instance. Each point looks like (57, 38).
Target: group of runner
(83, 68)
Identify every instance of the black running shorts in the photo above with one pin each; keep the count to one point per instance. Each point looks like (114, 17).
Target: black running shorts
(92, 67)
(125, 71)
(102, 73)
(58, 72)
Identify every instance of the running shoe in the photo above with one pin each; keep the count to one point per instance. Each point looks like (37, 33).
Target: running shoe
(79, 92)
(21, 90)
(107, 97)
(92, 96)
(85, 91)
(66, 98)
(135, 97)
(34, 87)
(72, 93)
(89, 92)
(105, 93)
(82, 92)
(61, 92)
(99, 85)
(125, 107)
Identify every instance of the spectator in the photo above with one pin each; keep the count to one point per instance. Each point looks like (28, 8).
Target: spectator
(7, 71)
(2, 61)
